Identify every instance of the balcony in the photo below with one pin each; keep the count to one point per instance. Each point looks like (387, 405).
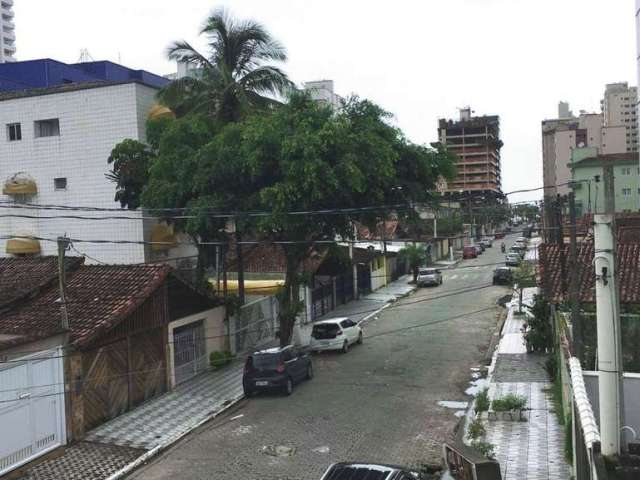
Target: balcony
(7, 3)
(9, 35)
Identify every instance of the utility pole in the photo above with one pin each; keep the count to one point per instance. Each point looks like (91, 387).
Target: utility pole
(354, 265)
(574, 276)
(63, 244)
(608, 324)
(240, 262)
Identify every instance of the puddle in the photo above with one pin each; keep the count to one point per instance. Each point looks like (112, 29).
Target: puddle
(323, 449)
(278, 450)
(476, 386)
(453, 405)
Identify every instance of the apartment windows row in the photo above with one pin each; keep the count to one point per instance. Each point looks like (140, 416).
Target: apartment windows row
(49, 127)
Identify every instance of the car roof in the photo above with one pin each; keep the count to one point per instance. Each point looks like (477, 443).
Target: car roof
(331, 320)
(272, 350)
(345, 470)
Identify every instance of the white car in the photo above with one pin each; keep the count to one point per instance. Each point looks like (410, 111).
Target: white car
(429, 276)
(335, 334)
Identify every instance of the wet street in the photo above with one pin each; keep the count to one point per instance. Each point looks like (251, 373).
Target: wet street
(377, 403)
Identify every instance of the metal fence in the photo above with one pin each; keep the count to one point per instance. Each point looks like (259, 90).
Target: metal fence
(254, 325)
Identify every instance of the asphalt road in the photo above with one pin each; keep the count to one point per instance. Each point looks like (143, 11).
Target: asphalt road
(377, 403)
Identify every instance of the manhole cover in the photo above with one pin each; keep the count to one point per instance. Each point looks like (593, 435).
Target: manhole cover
(278, 450)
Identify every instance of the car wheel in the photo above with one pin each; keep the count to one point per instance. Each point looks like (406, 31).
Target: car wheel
(360, 338)
(288, 388)
(309, 372)
(345, 346)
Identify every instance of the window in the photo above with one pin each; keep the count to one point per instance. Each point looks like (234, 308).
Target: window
(60, 183)
(626, 192)
(626, 170)
(14, 132)
(47, 128)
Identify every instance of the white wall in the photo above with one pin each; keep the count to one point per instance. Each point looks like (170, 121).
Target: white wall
(565, 141)
(92, 122)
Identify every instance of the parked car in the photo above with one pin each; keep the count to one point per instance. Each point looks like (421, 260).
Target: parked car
(502, 276)
(277, 368)
(370, 471)
(469, 252)
(479, 248)
(512, 259)
(429, 276)
(519, 249)
(487, 242)
(335, 334)
(499, 235)
(522, 240)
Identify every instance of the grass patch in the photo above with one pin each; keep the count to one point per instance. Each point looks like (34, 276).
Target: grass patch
(476, 429)
(482, 400)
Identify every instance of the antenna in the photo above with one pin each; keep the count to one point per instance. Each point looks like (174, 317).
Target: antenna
(85, 56)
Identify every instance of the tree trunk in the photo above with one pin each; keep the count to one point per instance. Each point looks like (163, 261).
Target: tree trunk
(240, 266)
(291, 300)
(520, 289)
(415, 274)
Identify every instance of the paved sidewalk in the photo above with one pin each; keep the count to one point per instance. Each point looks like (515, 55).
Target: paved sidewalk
(533, 449)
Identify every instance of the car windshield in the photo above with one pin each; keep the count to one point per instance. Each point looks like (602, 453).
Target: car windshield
(264, 361)
(358, 472)
(427, 271)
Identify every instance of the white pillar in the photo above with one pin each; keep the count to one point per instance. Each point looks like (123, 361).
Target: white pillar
(608, 332)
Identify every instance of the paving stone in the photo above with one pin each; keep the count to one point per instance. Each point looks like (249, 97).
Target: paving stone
(84, 461)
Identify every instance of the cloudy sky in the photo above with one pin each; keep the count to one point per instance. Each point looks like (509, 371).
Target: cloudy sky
(419, 59)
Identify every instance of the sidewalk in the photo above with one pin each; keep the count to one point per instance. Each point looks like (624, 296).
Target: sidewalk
(533, 449)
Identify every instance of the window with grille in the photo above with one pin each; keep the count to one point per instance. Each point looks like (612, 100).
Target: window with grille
(47, 128)
(14, 132)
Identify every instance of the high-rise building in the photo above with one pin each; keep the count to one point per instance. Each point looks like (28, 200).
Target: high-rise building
(322, 91)
(7, 32)
(562, 135)
(619, 107)
(476, 142)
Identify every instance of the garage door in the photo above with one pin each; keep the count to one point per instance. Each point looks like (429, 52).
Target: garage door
(31, 408)
(189, 353)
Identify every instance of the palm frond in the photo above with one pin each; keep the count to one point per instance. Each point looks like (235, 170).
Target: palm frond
(182, 51)
(266, 79)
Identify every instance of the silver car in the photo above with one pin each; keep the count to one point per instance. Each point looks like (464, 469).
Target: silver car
(512, 259)
(429, 276)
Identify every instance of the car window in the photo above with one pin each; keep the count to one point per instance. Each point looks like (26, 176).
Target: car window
(286, 355)
(264, 361)
(345, 323)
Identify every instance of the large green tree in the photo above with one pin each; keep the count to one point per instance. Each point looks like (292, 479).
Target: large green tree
(235, 76)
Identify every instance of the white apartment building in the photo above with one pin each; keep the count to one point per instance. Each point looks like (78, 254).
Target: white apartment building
(560, 136)
(619, 108)
(54, 151)
(323, 91)
(7, 32)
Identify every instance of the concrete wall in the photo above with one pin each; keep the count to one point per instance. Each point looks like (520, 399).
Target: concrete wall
(614, 139)
(214, 332)
(565, 141)
(631, 397)
(378, 278)
(627, 193)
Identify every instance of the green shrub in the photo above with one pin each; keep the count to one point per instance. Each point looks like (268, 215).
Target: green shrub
(476, 429)
(485, 448)
(509, 402)
(220, 359)
(482, 400)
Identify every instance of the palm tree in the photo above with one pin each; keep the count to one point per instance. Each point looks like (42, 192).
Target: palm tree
(234, 77)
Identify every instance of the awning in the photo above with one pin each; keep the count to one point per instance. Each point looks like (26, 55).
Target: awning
(21, 246)
(19, 185)
(160, 111)
(162, 237)
(251, 287)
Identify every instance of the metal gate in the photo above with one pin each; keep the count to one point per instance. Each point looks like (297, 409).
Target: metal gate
(254, 325)
(31, 408)
(190, 355)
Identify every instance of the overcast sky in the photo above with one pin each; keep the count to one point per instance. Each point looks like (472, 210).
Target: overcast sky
(419, 59)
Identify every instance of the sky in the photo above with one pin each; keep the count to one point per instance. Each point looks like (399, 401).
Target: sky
(419, 59)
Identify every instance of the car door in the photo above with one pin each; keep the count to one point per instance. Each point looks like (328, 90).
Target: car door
(297, 363)
(289, 363)
(348, 329)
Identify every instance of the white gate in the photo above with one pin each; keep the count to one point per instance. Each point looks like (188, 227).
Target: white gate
(31, 408)
(189, 352)
(254, 325)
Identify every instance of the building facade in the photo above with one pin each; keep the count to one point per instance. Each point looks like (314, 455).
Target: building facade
(476, 143)
(322, 91)
(7, 32)
(562, 135)
(619, 108)
(59, 130)
(587, 175)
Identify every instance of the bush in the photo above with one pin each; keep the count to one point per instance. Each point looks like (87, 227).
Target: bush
(485, 448)
(482, 401)
(220, 359)
(509, 402)
(476, 429)
(551, 366)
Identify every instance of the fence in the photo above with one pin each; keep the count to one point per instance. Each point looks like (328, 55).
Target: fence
(326, 296)
(254, 325)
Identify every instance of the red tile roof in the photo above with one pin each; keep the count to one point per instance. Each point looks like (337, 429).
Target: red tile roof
(556, 290)
(20, 277)
(268, 258)
(98, 298)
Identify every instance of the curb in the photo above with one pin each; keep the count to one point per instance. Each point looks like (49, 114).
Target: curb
(159, 448)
